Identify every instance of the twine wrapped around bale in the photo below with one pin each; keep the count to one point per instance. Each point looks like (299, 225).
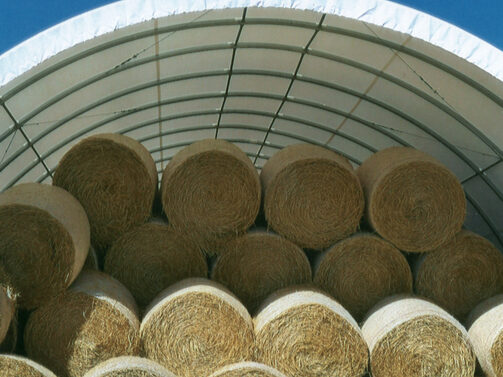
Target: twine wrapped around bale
(413, 200)
(312, 196)
(306, 333)
(115, 179)
(128, 366)
(211, 190)
(259, 263)
(196, 327)
(247, 369)
(150, 258)
(362, 270)
(44, 241)
(412, 337)
(17, 366)
(461, 274)
(486, 334)
(95, 320)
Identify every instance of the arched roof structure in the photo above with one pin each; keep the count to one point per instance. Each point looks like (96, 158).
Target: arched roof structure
(355, 76)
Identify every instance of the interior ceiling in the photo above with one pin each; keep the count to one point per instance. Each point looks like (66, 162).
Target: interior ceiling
(262, 78)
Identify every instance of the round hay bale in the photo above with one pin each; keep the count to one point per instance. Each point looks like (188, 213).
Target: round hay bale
(247, 369)
(211, 190)
(7, 311)
(486, 334)
(306, 333)
(195, 327)
(362, 270)
(412, 337)
(95, 320)
(17, 366)
(150, 258)
(311, 196)
(413, 200)
(259, 263)
(460, 274)
(44, 241)
(115, 179)
(127, 366)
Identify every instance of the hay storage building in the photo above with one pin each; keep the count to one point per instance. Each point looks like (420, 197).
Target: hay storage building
(353, 76)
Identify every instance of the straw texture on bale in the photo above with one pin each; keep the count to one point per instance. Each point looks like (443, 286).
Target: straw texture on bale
(17, 366)
(115, 179)
(311, 196)
(257, 264)
(306, 333)
(211, 190)
(486, 334)
(7, 311)
(44, 241)
(95, 320)
(362, 270)
(152, 257)
(247, 369)
(413, 200)
(196, 327)
(412, 337)
(128, 366)
(461, 274)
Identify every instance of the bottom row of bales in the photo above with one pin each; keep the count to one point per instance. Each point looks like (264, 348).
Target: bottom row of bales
(197, 328)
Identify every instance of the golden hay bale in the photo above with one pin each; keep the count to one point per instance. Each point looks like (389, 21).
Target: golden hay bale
(362, 270)
(128, 366)
(259, 263)
(412, 337)
(247, 369)
(486, 334)
(460, 274)
(311, 195)
(150, 258)
(95, 320)
(211, 190)
(195, 327)
(115, 179)
(413, 200)
(306, 333)
(17, 366)
(44, 240)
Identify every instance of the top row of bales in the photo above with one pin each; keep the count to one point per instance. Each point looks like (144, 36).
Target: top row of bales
(312, 196)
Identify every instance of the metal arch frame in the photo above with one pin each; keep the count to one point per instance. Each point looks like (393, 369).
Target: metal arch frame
(270, 73)
(482, 89)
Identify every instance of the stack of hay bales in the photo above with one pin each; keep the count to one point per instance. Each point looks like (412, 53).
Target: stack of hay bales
(44, 241)
(486, 334)
(115, 179)
(211, 191)
(362, 270)
(196, 327)
(16, 366)
(311, 196)
(95, 320)
(306, 333)
(259, 263)
(126, 366)
(412, 337)
(150, 258)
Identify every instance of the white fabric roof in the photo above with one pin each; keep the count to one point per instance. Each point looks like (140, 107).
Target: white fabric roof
(355, 76)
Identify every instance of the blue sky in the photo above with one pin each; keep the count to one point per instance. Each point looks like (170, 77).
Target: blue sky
(22, 19)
